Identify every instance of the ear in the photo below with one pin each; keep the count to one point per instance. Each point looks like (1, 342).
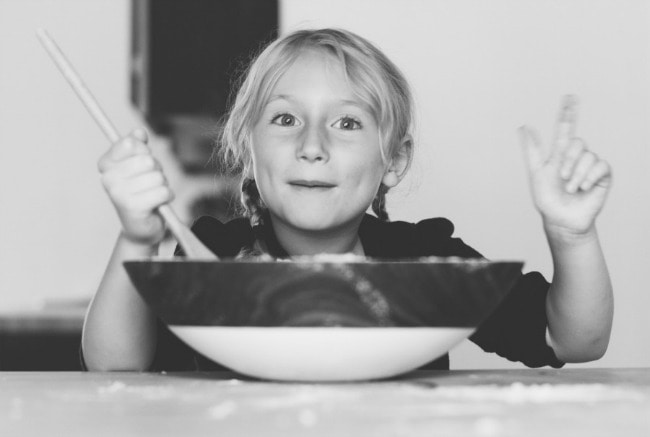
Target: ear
(399, 163)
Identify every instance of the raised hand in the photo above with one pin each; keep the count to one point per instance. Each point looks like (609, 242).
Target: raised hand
(136, 185)
(569, 182)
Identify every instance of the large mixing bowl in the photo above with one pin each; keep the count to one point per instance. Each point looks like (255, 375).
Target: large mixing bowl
(323, 319)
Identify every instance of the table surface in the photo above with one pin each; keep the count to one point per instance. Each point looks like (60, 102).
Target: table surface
(531, 402)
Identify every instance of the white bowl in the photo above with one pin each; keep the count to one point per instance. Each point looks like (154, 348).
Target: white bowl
(310, 320)
(321, 354)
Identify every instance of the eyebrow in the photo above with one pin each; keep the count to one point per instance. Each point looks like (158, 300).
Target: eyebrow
(342, 101)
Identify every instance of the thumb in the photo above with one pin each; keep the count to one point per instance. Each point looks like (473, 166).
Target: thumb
(532, 148)
(140, 134)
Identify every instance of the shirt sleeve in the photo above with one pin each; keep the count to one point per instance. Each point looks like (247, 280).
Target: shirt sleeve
(516, 330)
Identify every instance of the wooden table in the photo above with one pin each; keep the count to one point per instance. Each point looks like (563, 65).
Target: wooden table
(571, 402)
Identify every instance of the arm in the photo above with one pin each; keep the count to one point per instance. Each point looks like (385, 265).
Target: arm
(569, 184)
(119, 330)
(580, 302)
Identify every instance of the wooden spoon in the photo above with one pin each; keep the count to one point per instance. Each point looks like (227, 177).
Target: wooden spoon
(191, 245)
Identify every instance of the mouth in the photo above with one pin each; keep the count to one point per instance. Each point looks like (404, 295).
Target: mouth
(301, 183)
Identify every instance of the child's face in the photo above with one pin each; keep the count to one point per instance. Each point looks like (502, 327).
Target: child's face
(316, 148)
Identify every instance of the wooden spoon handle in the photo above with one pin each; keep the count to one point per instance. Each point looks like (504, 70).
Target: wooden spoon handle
(191, 245)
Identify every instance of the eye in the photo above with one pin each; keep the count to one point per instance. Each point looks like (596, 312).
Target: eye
(285, 119)
(347, 123)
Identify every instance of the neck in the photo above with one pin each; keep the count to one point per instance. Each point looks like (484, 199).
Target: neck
(297, 242)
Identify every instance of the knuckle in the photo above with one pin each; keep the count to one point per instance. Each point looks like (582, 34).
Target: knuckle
(576, 149)
(588, 159)
(166, 193)
(110, 182)
(131, 204)
(147, 161)
(160, 178)
(129, 142)
(140, 134)
(604, 167)
(104, 162)
(139, 163)
(106, 178)
(114, 192)
(122, 147)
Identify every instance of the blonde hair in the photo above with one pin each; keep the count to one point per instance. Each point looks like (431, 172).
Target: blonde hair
(372, 76)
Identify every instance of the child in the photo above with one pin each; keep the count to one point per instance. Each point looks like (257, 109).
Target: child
(320, 131)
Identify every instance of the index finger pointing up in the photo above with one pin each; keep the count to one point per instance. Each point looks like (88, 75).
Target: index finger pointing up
(566, 124)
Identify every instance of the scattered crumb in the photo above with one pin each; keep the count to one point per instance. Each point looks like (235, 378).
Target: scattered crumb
(488, 427)
(113, 388)
(305, 396)
(518, 393)
(150, 392)
(222, 410)
(307, 418)
(17, 409)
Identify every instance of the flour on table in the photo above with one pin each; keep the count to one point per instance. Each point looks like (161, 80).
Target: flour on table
(222, 410)
(518, 393)
(307, 417)
(306, 396)
(149, 392)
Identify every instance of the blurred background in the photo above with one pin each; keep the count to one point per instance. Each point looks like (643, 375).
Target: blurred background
(479, 70)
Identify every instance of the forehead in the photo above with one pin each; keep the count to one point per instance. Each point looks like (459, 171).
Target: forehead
(315, 74)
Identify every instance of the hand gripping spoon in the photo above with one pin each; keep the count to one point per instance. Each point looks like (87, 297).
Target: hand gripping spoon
(191, 245)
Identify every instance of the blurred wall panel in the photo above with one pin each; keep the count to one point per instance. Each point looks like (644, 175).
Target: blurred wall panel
(186, 54)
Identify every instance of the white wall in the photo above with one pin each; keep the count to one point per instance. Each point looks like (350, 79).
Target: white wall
(479, 69)
(57, 226)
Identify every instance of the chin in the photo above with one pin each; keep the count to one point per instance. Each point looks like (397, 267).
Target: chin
(312, 223)
(315, 222)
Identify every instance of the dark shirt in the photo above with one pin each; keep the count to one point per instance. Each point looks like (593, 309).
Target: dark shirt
(516, 330)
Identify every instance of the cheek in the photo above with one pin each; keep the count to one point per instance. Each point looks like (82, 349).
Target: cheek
(367, 167)
(259, 150)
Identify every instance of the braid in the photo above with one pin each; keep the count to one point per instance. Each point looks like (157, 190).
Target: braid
(251, 201)
(379, 203)
(254, 209)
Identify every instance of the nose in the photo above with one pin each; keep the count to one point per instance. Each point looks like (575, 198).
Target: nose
(313, 145)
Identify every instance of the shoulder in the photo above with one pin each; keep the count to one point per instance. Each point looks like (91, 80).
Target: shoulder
(224, 239)
(429, 237)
